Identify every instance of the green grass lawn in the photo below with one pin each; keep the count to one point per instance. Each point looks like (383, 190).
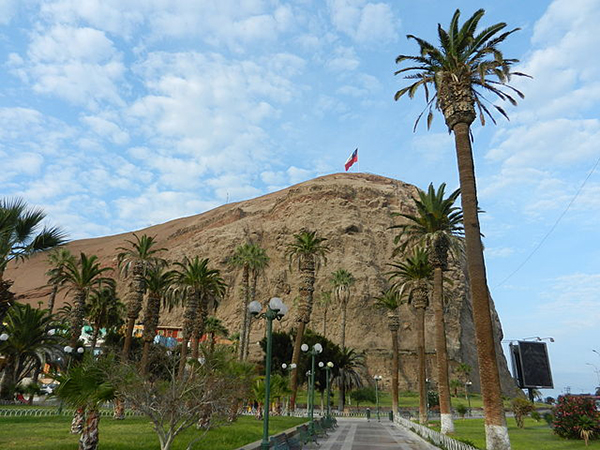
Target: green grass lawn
(535, 436)
(52, 433)
(406, 400)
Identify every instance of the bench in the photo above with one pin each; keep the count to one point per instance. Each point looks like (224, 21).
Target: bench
(284, 441)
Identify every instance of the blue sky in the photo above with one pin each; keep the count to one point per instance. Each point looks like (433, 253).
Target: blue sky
(119, 114)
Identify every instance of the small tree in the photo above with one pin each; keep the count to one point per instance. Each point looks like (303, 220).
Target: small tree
(364, 394)
(174, 403)
(521, 408)
(571, 415)
(86, 386)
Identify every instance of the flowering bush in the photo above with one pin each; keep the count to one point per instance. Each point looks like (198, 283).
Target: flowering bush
(572, 413)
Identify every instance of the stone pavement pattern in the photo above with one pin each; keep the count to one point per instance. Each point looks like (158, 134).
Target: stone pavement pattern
(358, 434)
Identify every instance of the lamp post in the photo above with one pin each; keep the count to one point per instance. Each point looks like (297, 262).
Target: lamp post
(284, 366)
(328, 367)
(314, 351)
(595, 370)
(275, 310)
(377, 379)
(467, 384)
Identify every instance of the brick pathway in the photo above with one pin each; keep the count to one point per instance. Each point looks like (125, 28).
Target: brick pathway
(358, 434)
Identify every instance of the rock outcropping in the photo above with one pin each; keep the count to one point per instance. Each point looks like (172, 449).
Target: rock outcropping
(354, 212)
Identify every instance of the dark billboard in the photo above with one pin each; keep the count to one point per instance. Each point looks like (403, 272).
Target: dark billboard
(531, 365)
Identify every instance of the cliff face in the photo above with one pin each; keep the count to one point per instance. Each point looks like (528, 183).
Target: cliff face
(354, 212)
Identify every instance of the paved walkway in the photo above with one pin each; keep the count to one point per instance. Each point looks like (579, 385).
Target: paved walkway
(358, 434)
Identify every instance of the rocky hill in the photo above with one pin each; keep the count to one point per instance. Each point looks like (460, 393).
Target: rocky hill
(354, 212)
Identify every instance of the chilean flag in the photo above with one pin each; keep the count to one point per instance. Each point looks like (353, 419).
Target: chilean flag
(353, 158)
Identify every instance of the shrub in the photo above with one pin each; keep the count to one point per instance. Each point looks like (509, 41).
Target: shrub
(549, 418)
(573, 414)
(521, 408)
(535, 416)
(462, 410)
(433, 399)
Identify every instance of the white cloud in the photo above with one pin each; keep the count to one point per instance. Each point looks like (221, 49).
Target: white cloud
(364, 22)
(343, 59)
(80, 65)
(573, 299)
(499, 252)
(8, 9)
(107, 129)
(155, 206)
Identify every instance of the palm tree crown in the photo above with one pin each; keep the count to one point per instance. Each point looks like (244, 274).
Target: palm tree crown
(465, 65)
(412, 276)
(308, 246)
(437, 224)
(20, 233)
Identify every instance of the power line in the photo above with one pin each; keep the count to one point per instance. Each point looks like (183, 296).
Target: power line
(537, 247)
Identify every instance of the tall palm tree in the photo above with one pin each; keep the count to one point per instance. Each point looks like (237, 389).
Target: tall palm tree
(412, 278)
(104, 310)
(308, 250)
(437, 226)
(57, 259)
(81, 277)
(195, 284)
(325, 301)
(27, 345)
(389, 301)
(253, 260)
(341, 281)
(158, 281)
(466, 63)
(22, 235)
(133, 261)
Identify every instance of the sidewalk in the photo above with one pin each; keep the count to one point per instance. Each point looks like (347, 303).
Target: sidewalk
(358, 434)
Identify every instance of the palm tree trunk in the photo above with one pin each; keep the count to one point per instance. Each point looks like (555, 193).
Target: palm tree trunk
(395, 370)
(7, 298)
(78, 421)
(95, 335)
(343, 343)
(296, 360)
(495, 422)
(249, 324)
(189, 317)
(342, 396)
(422, 368)
(134, 306)
(77, 317)
(307, 287)
(52, 298)
(8, 379)
(245, 313)
(90, 434)
(34, 380)
(198, 331)
(441, 353)
(151, 317)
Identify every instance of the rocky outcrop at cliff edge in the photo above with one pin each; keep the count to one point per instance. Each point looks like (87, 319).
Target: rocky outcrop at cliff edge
(354, 212)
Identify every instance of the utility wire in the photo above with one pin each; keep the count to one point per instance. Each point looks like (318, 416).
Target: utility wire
(537, 247)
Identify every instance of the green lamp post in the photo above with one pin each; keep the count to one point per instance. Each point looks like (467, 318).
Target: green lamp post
(275, 310)
(327, 367)
(289, 367)
(377, 379)
(314, 351)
